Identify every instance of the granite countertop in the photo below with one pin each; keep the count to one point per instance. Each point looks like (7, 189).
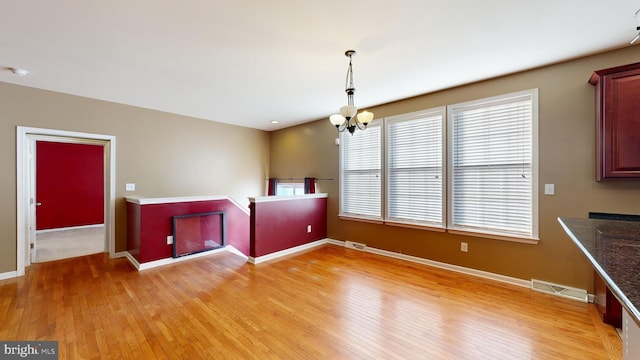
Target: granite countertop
(613, 247)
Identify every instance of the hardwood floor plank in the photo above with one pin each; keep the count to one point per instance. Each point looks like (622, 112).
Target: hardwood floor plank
(327, 303)
(607, 334)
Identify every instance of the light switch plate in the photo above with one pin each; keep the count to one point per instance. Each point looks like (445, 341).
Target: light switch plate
(549, 189)
(130, 187)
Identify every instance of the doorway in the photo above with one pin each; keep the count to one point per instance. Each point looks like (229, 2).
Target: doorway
(65, 243)
(69, 198)
(25, 175)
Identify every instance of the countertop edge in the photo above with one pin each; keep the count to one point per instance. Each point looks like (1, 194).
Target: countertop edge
(626, 303)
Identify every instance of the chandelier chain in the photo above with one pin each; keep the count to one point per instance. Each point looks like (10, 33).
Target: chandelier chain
(348, 84)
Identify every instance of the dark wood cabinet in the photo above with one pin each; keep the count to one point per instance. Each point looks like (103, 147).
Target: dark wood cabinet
(618, 122)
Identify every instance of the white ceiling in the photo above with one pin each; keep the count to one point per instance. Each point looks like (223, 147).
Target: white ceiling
(248, 62)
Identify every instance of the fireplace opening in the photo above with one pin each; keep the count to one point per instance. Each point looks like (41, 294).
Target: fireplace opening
(195, 233)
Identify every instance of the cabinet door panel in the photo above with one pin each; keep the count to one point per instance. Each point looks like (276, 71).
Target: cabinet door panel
(618, 122)
(625, 127)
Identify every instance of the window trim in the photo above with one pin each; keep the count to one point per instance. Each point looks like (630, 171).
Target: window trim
(533, 94)
(352, 216)
(387, 121)
(295, 186)
(447, 162)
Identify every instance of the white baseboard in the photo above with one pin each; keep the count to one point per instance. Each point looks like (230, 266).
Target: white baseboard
(236, 251)
(119, 254)
(132, 260)
(70, 228)
(286, 252)
(272, 256)
(335, 242)
(8, 275)
(167, 261)
(455, 268)
(414, 259)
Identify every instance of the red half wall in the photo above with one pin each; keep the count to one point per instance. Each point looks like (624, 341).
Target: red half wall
(149, 224)
(280, 223)
(69, 184)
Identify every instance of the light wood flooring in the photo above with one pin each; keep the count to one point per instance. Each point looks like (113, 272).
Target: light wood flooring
(327, 303)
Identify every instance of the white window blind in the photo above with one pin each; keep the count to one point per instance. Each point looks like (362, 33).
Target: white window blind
(414, 168)
(290, 188)
(491, 183)
(361, 173)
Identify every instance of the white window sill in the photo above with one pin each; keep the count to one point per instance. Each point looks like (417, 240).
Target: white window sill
(486, 235)
(416, 226)
(361, 219)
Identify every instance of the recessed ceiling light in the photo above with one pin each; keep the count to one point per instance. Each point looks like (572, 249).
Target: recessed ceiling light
(18, 71)
(275, 121)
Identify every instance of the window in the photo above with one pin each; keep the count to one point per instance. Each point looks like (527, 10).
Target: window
(414, 168)
(289, 188)
(485, 182)
(492, 172)
(361, 173)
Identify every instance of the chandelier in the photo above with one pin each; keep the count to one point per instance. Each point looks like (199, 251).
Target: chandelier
(638, 29)
(347, 119)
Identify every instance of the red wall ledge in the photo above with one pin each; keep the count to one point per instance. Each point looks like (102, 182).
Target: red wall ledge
(150, 221)
(283, 222)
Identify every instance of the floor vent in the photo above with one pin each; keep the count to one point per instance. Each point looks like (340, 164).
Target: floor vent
(559, 290)
(355, 245)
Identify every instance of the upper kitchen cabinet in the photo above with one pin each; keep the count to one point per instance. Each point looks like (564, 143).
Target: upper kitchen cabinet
(617, 122)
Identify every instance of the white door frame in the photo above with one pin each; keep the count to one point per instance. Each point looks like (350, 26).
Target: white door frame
(25, 203)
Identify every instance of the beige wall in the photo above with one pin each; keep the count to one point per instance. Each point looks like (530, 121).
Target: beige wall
(164, 154)
(567, 147)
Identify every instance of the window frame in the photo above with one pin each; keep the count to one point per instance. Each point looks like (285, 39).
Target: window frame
(492, 233)
(297, 188)
(447, 159)
(416, 115)
(376, 123)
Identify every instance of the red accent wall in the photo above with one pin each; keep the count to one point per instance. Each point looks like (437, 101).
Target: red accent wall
(149, 225)
(280, 225)
(69, 184)
(134, 228)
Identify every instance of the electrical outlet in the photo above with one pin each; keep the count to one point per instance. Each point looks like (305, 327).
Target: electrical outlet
(308, 229)
(464, 247)
(169, 239)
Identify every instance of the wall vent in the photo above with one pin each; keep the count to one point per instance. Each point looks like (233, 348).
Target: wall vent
(355, 245)
(559, 290)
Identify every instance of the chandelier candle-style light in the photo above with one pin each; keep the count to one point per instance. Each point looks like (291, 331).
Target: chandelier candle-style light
(347, 118)
(638, 29)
